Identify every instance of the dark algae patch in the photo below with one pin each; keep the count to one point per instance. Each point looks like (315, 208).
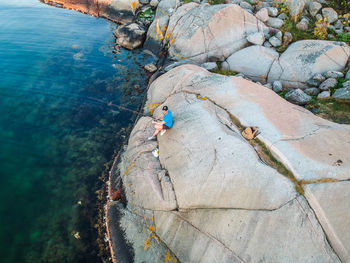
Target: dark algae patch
(58, 129)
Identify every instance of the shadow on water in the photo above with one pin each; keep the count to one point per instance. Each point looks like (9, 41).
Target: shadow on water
(58, 75)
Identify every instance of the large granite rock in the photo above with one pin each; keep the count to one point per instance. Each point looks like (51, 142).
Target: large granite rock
(121, 11)
(156, 34)
(254, 62)
(209, 198)
(210, 33)
(304, 59)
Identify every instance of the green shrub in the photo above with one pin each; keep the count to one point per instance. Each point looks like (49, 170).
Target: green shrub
(341, 6)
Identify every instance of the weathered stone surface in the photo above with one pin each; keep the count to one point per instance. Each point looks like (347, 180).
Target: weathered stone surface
(245, 5)
(296, 7)
(209, 65)
(276, 42)
(331, 204)
(343, 93)
(141, 172)
(157, 30)
(151, 68)
(272, 11)
(312, 91)
(346, 84)
(328, 83)
(333, 74)
(230, 209)
(290, 132)
(275, 22)
(324, 95)
(206, 33)
(256, 38)
(314, 7)
(298, 97)
(313, 83)
(262, 15)
(347, 76)
(330, 14)
(268, 237)
(319, 77)
(304, 59)
(130, 36)
(277, 86)
(253, 61)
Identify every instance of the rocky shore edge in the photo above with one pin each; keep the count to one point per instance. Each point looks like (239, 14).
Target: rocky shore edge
(213, 196)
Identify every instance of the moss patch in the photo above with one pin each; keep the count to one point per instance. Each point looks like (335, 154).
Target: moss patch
(331, 109)
(221, 71)
(216, 2)
(267, 156)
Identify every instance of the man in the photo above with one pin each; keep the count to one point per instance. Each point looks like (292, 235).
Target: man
(165, 123)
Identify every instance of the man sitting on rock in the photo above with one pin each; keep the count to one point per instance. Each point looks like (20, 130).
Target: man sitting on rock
(165, 123)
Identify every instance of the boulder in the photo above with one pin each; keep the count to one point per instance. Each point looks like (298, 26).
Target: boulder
(314, 7)
(209, 65)
(275, 22)
(304, 59)
(328, 83)
(245, 5)
(296, 7)
(262, 15)
(342, 93)
(254, 61)
(275, 41)
(156, 34)
(272, 11)
(333, 74)
(256, 38)
(312, 91)
(303, 25)
(330, 14)
(324, 95)
(130, 36)
(287, 38)
(210, 33)
(277, 86)
(120, 11)
(298, 97)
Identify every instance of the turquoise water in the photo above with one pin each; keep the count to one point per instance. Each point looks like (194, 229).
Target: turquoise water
(54, 135)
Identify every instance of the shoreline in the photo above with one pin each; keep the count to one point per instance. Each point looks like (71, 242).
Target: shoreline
(280, 156)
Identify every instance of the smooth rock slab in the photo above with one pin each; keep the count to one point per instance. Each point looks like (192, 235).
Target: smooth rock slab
(289, 234)
(331, 203)
(304, 59)
(292, 133)
(253, 61)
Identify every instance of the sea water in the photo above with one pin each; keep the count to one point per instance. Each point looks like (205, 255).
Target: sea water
(57, 76)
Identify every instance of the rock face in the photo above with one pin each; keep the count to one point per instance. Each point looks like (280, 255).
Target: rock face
(209, 198)
(130, 36)
(304, 59)
(210, 33)
(120, 11)
(253, 61)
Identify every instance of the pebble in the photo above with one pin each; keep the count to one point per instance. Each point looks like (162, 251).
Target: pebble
(277, 86)
(150, 68)
(298, 97)
(333, 74)
(275, 41)
(324, 95)
(312, 91)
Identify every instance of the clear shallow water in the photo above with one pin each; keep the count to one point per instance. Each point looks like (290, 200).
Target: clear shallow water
(54, 136)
